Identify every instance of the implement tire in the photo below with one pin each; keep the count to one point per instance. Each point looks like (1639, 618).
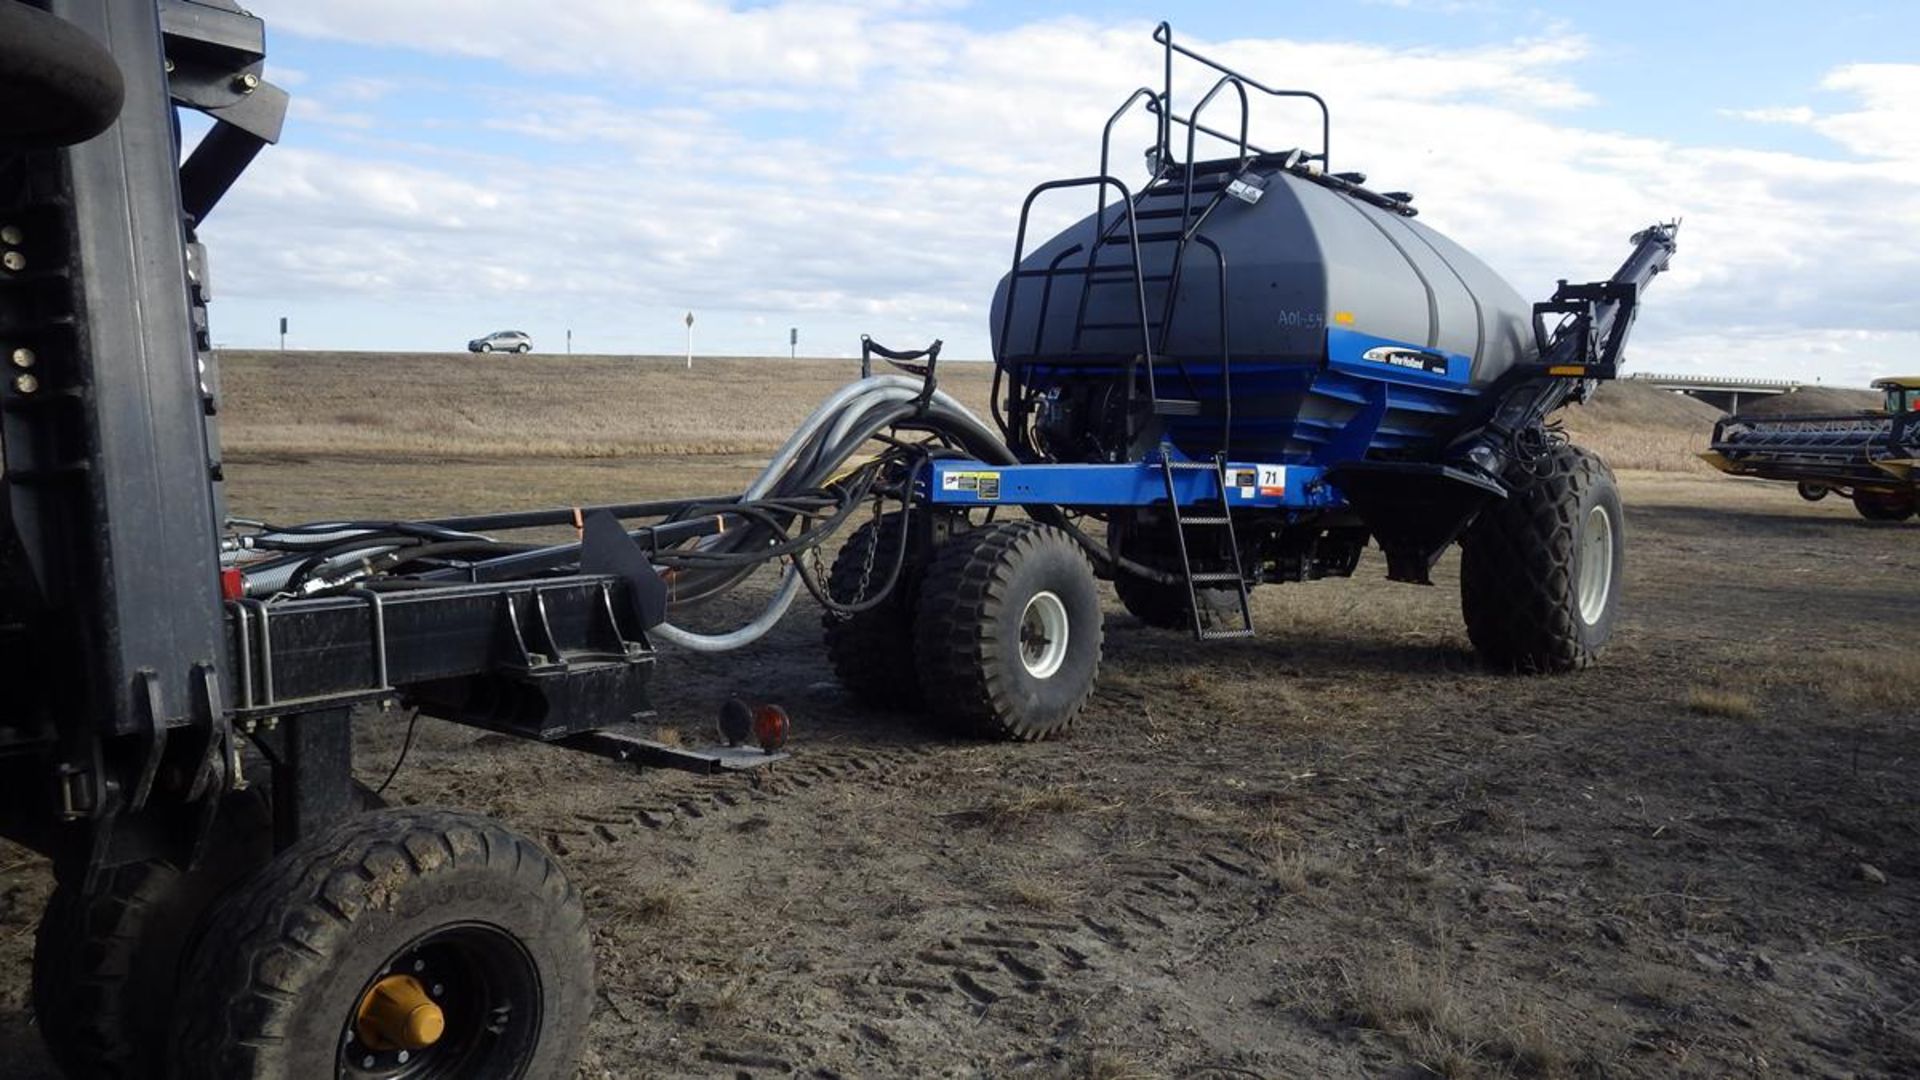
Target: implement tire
(1541, 571)
(1164, 607)
(106, 964)
(1008, 633)
(58, 86)
(872, 651)
(1881, 506)
(479, 927)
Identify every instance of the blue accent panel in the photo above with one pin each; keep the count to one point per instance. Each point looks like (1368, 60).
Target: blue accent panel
(1137, 483)
(1347, 351)
(1358, 434)
(1306, 410)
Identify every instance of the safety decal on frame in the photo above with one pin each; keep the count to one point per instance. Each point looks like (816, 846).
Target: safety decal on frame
(1273, 480)
(985, 485)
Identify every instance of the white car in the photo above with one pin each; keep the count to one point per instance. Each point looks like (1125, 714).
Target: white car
(502, 341)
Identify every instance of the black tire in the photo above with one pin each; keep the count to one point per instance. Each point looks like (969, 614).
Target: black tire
(1164, 606)
(106, 964)
(485, 347)
(872, 651)
(484, 917)
(58, 86)
(1811, 492)
(1527, 560)
(977, 666)
(523, 347)
(1883, 506)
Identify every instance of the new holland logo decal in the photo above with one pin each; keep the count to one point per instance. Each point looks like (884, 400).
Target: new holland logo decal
(1401, 356)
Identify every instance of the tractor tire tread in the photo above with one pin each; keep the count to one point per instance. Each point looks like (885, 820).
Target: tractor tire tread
(280, 925)
(972, 573)
(872, 651)
(1516, 567)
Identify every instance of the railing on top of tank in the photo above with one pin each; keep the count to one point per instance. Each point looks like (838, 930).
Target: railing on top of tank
(1163, 35)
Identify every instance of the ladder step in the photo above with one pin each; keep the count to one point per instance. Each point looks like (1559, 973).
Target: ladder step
(1161, 191)
(1206, 521)
(1155, 325)
(1121, 273)
(1211, 634)
(1125, 278)
(1163, 236)
(1223, 575)
(1169, 212)
(1171, 464)
(1180, 407)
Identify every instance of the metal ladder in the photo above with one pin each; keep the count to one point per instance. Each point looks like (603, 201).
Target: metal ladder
(1223, 521)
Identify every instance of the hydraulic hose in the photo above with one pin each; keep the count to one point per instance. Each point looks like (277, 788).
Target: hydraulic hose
(824, 442)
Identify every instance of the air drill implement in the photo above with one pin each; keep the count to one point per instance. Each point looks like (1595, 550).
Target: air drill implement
(1243, 371)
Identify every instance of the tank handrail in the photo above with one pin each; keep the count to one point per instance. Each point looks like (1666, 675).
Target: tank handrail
(1163, 34)
(1186, 198)
(1101, 182)
(1106, 145)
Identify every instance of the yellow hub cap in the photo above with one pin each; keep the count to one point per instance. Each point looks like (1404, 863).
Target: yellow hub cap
(397, 1014)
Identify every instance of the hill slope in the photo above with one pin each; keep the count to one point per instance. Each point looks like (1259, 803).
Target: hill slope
(545, 405)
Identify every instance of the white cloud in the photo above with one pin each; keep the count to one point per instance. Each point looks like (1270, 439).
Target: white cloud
(887, 197)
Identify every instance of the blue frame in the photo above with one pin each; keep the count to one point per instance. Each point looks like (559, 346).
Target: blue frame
(957, 482)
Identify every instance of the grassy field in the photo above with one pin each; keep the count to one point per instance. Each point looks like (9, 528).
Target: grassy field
(548, 406)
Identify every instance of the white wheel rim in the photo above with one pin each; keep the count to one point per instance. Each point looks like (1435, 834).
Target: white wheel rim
(1596, 565)
(1043, 635)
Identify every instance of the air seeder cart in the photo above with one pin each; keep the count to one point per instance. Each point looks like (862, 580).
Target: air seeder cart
(1870, 458)
(1242, 372)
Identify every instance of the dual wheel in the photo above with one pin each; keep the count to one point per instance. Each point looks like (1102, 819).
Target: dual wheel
(409, 943)
(998, 634)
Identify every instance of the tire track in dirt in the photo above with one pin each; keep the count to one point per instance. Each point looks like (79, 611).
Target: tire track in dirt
(994, 958)
(1158, 905)
(721, 795)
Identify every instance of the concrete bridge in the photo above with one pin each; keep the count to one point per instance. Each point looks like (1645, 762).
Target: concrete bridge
(1724, 394)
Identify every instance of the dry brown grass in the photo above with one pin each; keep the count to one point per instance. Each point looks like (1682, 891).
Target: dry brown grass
(1886, 681)
(1012, 813)
(1041, 893)
(1644, 428)
(1446, 1029)
(425, 404)
(1110, 1065)
(1728, 704)
(647, 905)
(577, 407)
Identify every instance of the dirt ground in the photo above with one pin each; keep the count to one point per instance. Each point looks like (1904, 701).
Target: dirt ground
(1340, 849)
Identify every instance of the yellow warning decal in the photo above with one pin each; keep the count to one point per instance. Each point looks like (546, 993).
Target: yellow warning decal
(982, 483)
(1566, 369)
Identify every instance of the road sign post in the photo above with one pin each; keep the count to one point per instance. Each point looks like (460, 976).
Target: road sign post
(689, 341)
(793, 343)
(283, 333)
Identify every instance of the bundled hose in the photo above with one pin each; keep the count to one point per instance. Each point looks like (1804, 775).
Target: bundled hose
(808, 461)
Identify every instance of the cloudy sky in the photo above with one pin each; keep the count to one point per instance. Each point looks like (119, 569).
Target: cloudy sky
(607, 165)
